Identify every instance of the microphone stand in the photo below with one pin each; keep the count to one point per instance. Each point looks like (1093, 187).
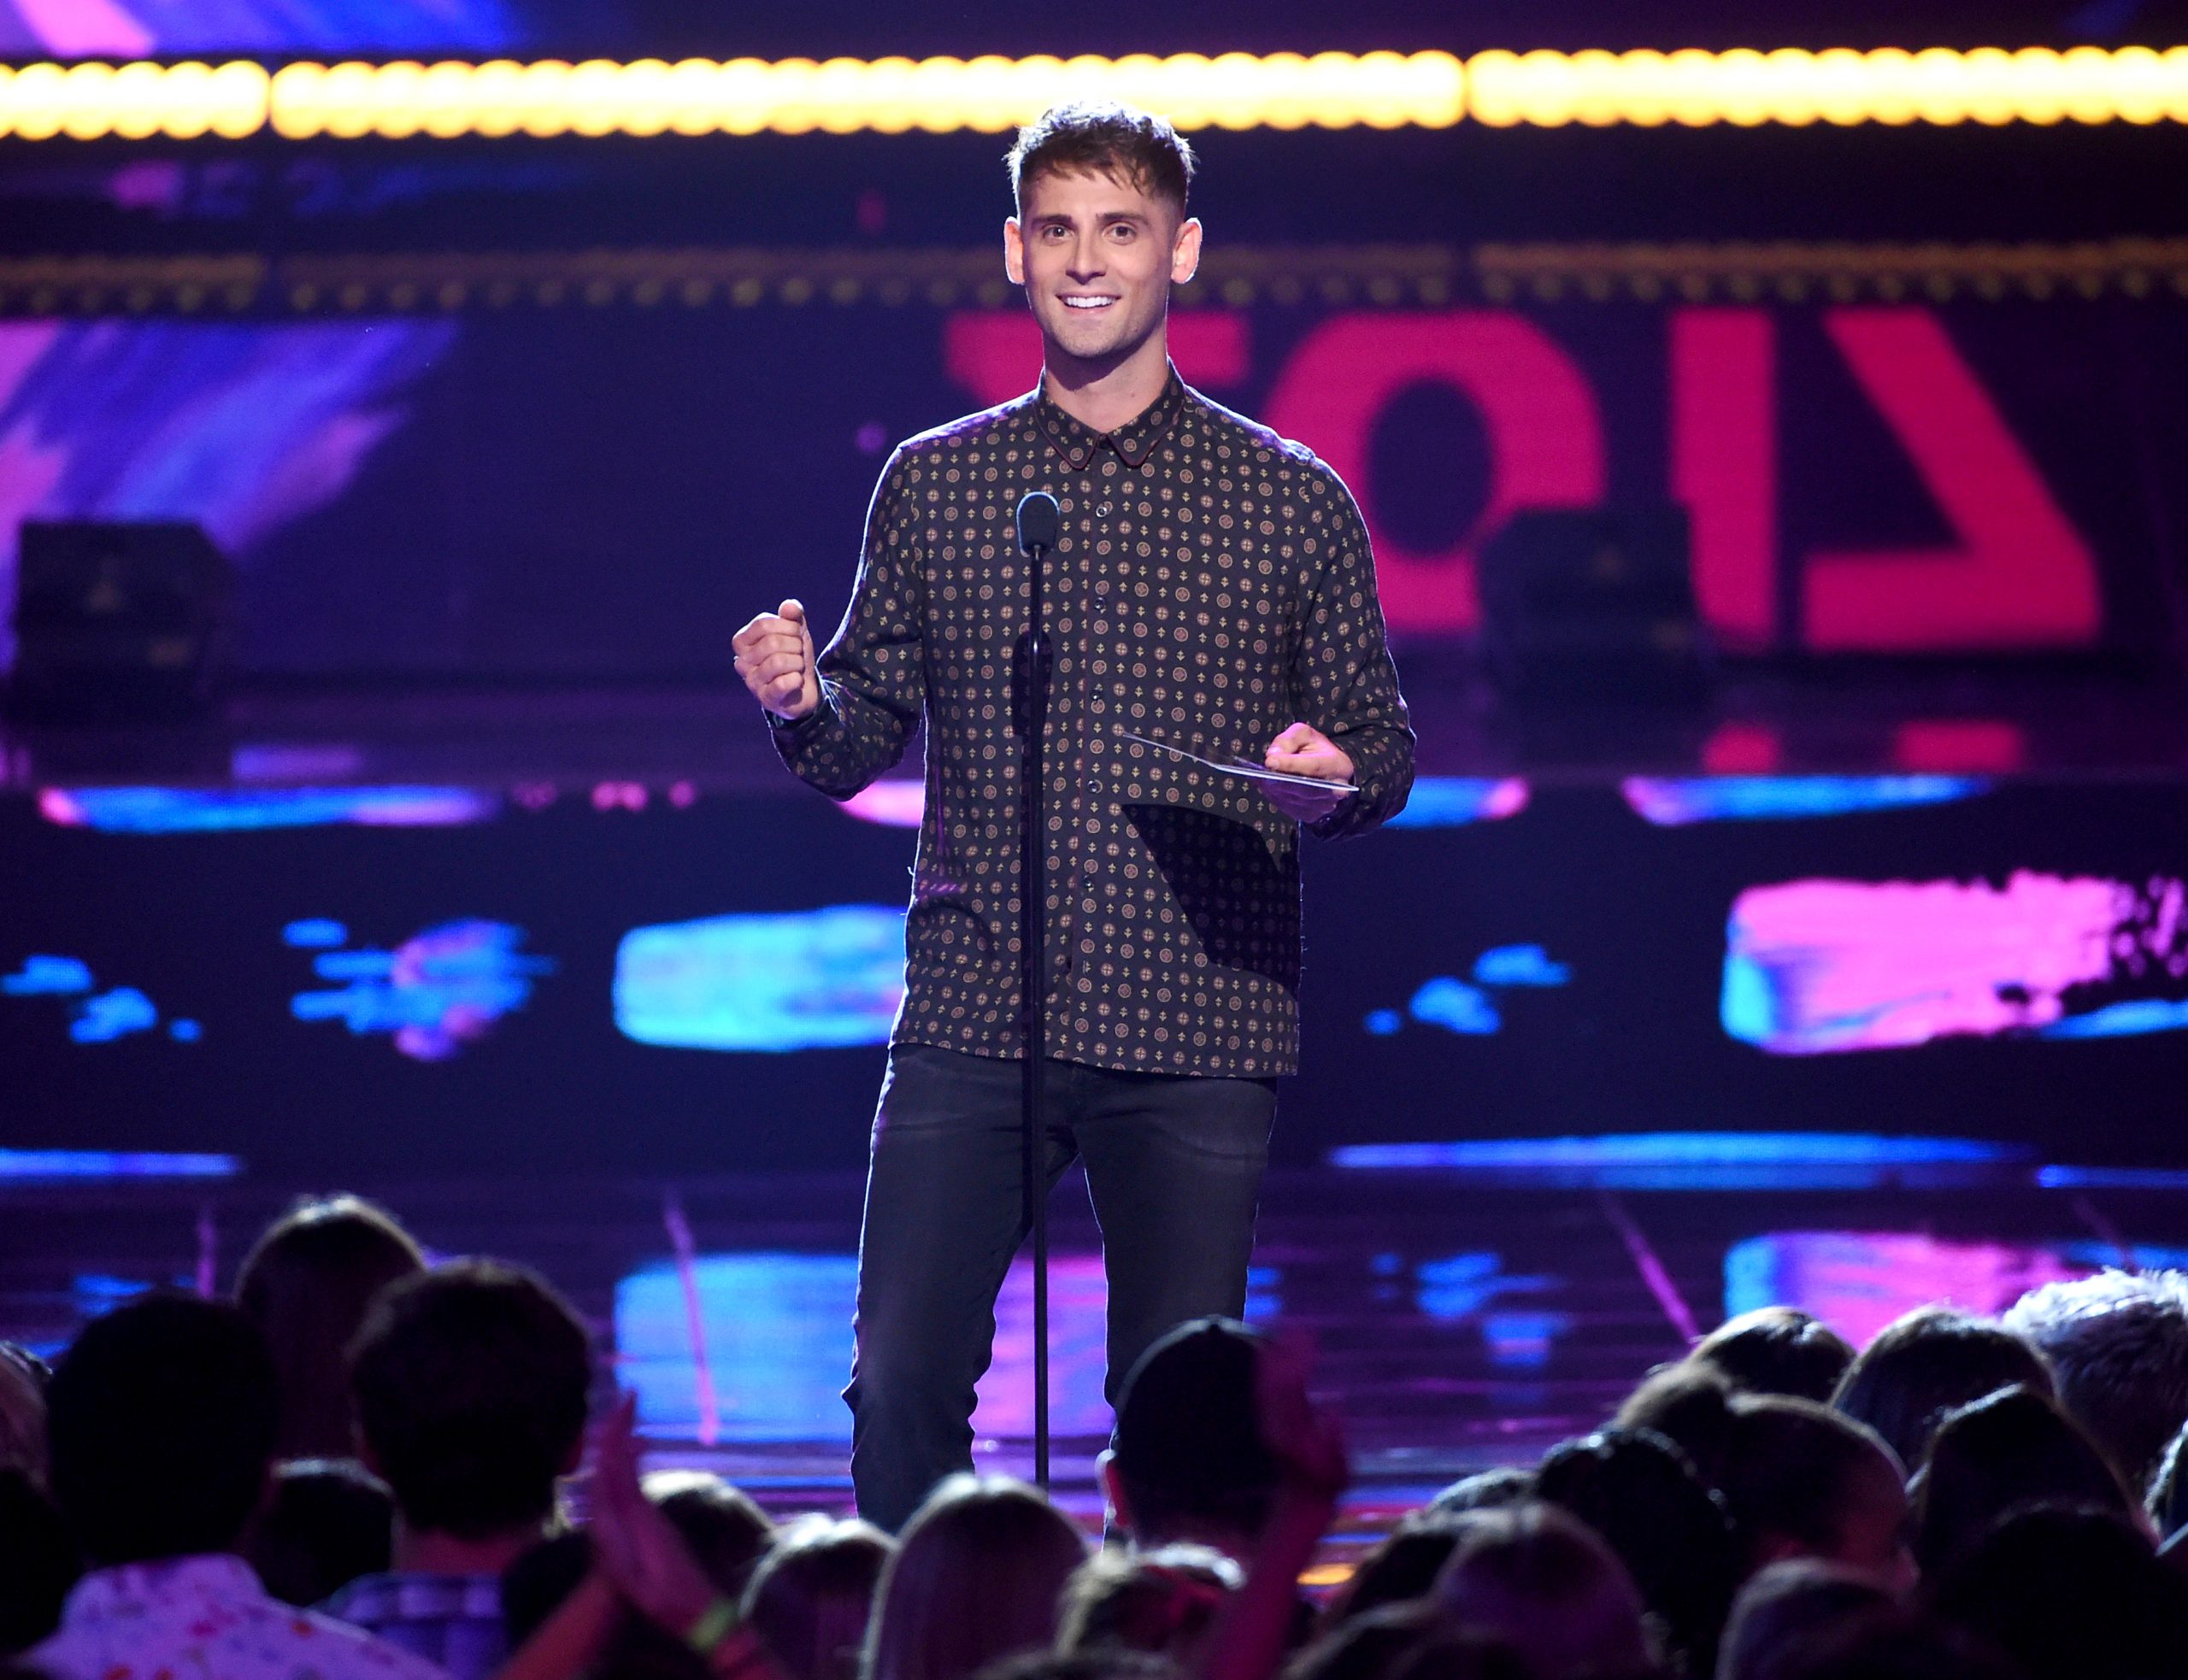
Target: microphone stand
(1033, 969)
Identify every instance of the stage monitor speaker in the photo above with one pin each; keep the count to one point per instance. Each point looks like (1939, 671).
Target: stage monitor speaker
(118, 622)
(1593, 604)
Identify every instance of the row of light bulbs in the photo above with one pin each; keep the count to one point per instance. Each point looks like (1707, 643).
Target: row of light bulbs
(1381, 89)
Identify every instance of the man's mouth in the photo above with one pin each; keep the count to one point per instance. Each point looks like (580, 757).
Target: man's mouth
(1088, 302)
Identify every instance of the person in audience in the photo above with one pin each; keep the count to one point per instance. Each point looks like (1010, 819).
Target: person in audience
(1163, 1602)
(1486, 1491)
(22, 1412)
(1776, 1350)
(1368, 1644)
(2009, 1450)
(327, 1523)
(1400, 1568)
(2070, 1594)
(1926, 1363)
(1637, 1492)
(812, 1595)
(1541, 1580)
(308, 1282)
(1187, 1462)
(1887, 1643)
(1689, 1406)
(2118, 1346)
(161, 1420)
(724, 1526)
(1802, 1481)
(977, 1576)
(39, 1561)
(1783, 1604)
(471, 1385)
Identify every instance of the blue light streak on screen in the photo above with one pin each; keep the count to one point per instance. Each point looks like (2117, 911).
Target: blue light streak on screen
(112, 1015)
(113, 1164)
(314, 933)
(1455, 1004)
(1675, 802)
(2121, 1020)
(815, 978)
(436, 992)
(151, 810)
(1453, 801)
(1520, 966)
(48, 977)
(1700, 1160)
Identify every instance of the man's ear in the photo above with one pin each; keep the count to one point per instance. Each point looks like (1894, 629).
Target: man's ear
(1113, 1490)
(1185, 256)
(1014, 251)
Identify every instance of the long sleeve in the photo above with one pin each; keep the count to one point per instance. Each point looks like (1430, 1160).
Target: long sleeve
(872, 672)
(1345, 683)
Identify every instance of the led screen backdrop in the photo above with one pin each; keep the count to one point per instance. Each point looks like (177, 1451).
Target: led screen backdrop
(426, 977)
(604, 466)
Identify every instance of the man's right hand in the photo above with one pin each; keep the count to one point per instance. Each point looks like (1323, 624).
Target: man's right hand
(774, 655)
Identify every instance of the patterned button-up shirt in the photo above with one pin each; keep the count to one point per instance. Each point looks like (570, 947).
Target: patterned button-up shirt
(206, 1617)
(1212, 584)
(453, 1621)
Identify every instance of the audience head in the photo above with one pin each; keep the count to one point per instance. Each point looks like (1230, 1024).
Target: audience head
(1783, 1605)
(726, 1528)
(39, 1563)
(2118, 1344)
(1888, 1642)
(1801, 1481)
(977, 1577)
(2070, 1594)
(1484, 1491)
(160, 1422)
(810, 1599)
(1162, 1601)
(1540, 1579)
(471, 1384)
(2008, 1449)
(1924, 1364)
(1638, 1493)
(327, 1523)
(1400, 1568)
(1689, 1406)
(1417, 1642)
(22, 1412)
(1189, 1461)
(308, 1282)
(1776, 1350)
(2167, 1501)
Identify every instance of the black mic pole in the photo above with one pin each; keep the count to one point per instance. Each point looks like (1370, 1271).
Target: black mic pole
(1039, 521)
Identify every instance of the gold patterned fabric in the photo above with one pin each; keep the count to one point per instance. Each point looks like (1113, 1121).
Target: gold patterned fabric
(1212, 584)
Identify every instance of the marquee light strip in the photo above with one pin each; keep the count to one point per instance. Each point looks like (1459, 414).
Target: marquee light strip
(141, 100)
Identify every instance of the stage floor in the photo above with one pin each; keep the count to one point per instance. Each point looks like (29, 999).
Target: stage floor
(1463, 1318)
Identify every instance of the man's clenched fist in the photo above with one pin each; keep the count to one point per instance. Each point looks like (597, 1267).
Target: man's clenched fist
(774, 655)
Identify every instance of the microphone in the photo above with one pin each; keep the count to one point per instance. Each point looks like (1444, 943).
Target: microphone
(1038, 522)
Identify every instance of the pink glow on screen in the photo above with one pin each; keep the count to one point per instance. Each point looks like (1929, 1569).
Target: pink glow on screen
(891, 804)
(1819, 966)
(1078, 1311)
(1858, 1281)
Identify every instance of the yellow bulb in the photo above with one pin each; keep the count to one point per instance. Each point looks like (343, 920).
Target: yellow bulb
(644, 102)
(240, 94)
(1493, 92)
(690, 96)
(543, 105)
(743, 92)
(443, 101)
(1640, 90)
(592, 97)
(347, 101)
(1690, 79)
(1840, 78)
(87, 112)
(1891, 84)
(1439, 93)
(495, 95)
(1794, 87)
(888, 96)
(1940, 87)
(2174, 82)
(2039, 85)
(2088, 75)
(135, 100)
(838, 95)
(1987, 72)
(2137, 83)
(298, 100)
(937, 86)
(398, 100)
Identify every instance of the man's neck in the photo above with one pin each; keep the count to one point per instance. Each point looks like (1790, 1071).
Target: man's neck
(434, 1552)
(1106, 394)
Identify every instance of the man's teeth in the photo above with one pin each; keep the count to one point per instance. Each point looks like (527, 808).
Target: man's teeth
(1087, 302)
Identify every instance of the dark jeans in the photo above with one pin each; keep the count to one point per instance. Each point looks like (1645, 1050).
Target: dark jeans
(1175, 1167)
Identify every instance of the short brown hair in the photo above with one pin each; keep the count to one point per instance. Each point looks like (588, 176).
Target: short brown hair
(1101, 137)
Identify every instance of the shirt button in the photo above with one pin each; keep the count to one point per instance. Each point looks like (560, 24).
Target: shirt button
(1102, 512)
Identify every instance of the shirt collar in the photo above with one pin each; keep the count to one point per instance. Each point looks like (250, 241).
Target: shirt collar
(211, 1578)
(1133, 442)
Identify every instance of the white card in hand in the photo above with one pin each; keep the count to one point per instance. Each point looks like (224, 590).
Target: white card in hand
(1245, 767)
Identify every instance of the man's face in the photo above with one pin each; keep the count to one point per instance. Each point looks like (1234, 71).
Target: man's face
(1097, 256)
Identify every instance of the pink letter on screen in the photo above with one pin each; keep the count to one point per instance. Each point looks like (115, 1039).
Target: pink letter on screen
(2020, 575)
(996, 354)
(1545, 438)
(1725, 466)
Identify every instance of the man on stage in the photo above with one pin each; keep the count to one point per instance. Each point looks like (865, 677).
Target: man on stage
(1211, 589)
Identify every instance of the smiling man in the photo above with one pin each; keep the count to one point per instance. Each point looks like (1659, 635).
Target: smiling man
(1212, 590)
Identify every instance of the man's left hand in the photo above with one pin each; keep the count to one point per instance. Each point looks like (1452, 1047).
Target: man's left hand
(1304, 750)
